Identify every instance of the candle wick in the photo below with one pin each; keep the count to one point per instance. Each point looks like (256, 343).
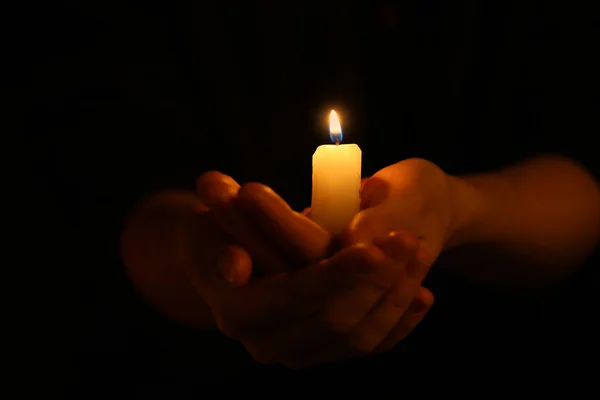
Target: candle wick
(337, 142)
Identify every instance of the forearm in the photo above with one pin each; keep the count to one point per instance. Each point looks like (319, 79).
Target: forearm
(153, 246)
(528, 224)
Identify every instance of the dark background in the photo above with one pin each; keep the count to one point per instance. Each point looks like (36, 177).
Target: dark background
(119, 99)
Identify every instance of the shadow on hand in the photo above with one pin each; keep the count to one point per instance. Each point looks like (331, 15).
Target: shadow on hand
(373, 191)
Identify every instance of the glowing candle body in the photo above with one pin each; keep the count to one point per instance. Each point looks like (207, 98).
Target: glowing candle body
(335, 182)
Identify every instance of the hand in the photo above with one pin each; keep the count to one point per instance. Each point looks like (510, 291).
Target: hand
(320, 313)
(278, 238)
(346, 306)
(412, 195)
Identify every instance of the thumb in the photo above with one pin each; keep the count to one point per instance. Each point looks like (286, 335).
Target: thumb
(234, 266)
(370, 222)
(373, 191)
(366, 226)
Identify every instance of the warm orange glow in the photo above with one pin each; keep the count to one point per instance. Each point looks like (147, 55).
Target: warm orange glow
(335, 128)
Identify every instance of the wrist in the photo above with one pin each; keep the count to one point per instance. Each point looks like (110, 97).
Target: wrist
(469, 207)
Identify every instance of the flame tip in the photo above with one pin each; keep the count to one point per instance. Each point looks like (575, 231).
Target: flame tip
(335, 127)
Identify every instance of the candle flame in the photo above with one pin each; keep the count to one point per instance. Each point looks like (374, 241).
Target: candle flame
(335, 128)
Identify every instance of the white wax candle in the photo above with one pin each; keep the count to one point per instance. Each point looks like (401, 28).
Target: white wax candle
(335, 182)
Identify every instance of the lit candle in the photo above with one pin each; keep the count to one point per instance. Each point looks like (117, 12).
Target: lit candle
(335, 180)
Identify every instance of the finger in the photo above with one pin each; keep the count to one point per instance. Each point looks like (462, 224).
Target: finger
(275, 301)
(413, 316)
(301, 240)
(372, 330)
(401, 247)
(384, 322)
(344, 311)
(396, 246)
(338, 317)
(373, 192)
(338, 350)
(216, 189)
(306, 212)
(363, 182)
(235, 266)
(366, 226)
(218, 192)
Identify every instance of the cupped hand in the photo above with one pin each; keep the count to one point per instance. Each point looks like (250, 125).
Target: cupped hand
(354, 303)
(412, 195)
(362, 299)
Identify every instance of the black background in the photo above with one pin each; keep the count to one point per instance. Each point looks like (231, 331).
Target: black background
(119, 99)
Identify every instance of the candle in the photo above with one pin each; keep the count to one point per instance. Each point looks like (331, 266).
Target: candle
(335, 180)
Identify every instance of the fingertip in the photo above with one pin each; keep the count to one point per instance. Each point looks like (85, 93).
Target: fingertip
(213, 177)
(373, 191)
(365, 227)
(423, 301)
(235, 266)
(215, 188)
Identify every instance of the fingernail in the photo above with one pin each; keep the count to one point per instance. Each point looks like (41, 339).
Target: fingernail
(226, 267)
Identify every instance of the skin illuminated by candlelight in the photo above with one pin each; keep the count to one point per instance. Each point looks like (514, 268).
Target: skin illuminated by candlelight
(525, 226)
